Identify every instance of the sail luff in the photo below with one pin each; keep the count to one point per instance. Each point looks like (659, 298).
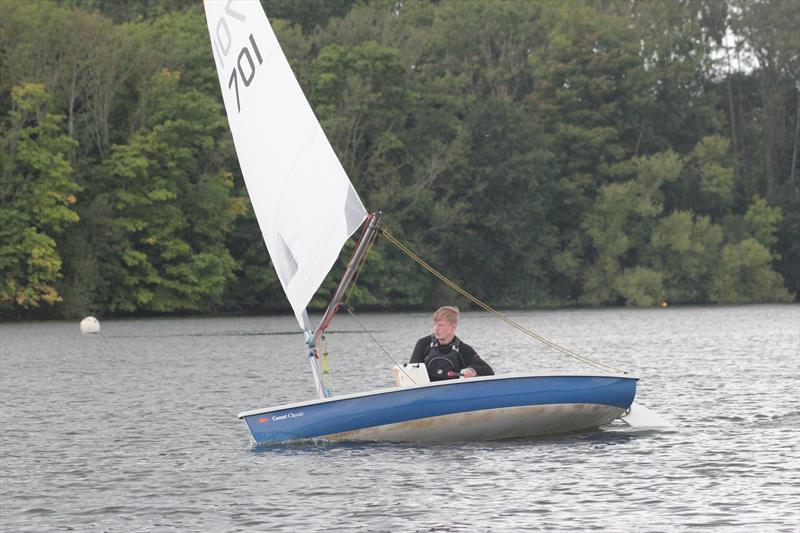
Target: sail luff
(304, 202)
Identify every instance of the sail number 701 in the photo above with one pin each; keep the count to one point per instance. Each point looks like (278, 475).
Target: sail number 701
(222, 43)
(247, 79)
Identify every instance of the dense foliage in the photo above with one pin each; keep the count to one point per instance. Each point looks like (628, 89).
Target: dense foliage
(539, 153)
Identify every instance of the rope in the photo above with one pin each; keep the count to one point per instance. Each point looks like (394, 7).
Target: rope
(327, 375)
(371, 336)
(583, 359)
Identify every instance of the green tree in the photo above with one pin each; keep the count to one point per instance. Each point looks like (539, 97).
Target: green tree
(361, 97)
(687, 249)
(671, 99)
(582, 93)
(80, 58)
(164, 208)
(640, 286)
(769, 32)
(619, 228)
(379, 129)
(745, 272)
(37, 191)
(788, 245)
(745, 275)
(131, 10)
(538, 152)
(308, 13)
(483, 49)
(508, 190)
(716, 174)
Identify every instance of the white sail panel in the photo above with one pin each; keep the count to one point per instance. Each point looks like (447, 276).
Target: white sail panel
(304, 202)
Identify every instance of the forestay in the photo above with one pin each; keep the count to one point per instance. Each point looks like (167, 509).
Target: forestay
(304, 202)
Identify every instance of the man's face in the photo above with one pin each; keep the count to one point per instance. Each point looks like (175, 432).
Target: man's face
(444, 330)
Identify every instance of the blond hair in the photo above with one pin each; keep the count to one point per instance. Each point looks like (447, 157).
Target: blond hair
(446, 313)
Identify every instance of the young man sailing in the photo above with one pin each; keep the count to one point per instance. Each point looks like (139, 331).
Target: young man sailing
(445, 355)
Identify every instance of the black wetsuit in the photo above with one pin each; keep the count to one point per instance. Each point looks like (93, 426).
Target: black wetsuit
(464, 356)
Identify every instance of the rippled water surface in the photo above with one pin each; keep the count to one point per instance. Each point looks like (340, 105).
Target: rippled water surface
(135, 429)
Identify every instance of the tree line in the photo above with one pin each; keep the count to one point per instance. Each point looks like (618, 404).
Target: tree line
(539, 153)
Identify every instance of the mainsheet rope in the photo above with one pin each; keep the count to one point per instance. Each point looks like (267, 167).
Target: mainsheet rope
(583, 359)
(344, 305)
(371, 336)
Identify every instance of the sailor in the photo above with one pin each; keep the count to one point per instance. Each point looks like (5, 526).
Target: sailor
(445, 355)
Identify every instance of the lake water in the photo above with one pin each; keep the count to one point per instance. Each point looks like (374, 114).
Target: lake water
(135, 429)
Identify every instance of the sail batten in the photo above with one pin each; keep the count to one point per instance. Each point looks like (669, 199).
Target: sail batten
(305, 204)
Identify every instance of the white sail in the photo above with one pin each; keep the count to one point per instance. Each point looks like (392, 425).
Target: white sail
(304, 202)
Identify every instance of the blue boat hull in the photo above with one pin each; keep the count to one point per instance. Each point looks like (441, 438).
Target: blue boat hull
(487, 408)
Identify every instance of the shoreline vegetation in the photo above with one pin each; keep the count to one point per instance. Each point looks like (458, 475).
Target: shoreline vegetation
(540, 154)
(377, 311)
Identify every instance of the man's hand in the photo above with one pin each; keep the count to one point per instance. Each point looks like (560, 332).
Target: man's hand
(469, 372)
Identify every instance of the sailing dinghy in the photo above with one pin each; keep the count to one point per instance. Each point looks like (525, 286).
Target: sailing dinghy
(307, 209)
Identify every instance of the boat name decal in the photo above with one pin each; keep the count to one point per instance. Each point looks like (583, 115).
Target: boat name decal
(295, 414)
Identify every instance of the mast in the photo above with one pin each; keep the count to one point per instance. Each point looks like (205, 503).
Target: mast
(370, 232)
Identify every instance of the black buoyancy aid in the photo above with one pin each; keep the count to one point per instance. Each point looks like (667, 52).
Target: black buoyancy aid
(443, 366)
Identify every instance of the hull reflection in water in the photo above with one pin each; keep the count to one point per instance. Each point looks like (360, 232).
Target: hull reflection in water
(483, 408)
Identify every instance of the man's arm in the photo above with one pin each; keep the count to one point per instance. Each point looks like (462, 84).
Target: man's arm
(474, 361)
(418, 355)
